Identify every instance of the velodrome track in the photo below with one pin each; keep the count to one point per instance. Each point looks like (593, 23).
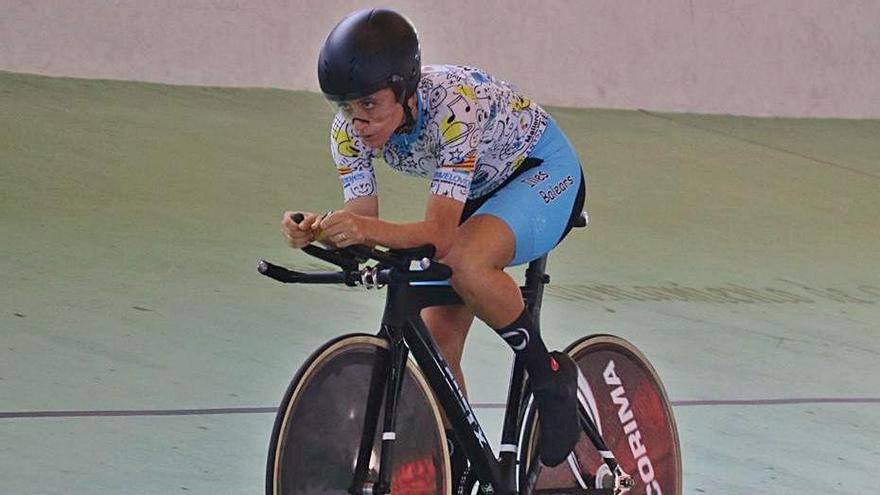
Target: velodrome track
(141, 353)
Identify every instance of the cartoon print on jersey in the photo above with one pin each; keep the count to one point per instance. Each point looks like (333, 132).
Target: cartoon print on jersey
(353, 161)
(454, 132)
(397, 154)
(485, 174)
(425, 165)
(482, 117)
(474, 138)
(457, 126)
(440, 188)
(520, 103)
(476, 130)
(436, 145)
(482, 92)
(406, 163)
(517, 163)
(467, 92)
(453, 178)
(345, 145)
(494, 133)
(357, 183)
(509, 151)
(436, 97)
(476, 75)
(455, 156)
(462, 163)
(362, 189)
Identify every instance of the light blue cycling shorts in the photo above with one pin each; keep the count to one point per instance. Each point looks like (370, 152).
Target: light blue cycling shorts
(541, 200)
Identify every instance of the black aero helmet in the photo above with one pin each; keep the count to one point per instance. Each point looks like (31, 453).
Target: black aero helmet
(369, 50)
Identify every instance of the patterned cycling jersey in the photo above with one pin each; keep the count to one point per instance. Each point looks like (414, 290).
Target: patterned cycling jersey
(471, 133)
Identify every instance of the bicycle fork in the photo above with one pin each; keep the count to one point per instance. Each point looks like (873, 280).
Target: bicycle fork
(389, 373)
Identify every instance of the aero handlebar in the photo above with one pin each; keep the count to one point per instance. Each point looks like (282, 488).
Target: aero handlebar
(395, 266)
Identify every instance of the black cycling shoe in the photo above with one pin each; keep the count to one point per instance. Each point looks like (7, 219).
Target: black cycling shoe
(557, 411)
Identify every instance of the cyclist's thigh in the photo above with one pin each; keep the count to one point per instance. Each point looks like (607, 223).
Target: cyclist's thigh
(538, 205)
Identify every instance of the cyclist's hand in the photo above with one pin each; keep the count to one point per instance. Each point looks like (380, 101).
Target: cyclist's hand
(298, 235)
(343, 228)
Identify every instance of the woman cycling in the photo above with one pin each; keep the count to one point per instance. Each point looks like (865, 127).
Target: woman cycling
(505, 187)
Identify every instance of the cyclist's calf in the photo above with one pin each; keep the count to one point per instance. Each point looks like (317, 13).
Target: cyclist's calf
(449, 327)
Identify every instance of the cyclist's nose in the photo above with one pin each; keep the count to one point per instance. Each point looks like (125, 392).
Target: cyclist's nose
(359, 124)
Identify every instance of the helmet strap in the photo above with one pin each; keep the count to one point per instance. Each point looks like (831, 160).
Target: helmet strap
(409, 120)
(398, 85)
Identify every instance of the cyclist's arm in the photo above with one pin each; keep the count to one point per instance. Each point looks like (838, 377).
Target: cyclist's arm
(438, 228)
(457, 156)
(449, 191)
(367, 206)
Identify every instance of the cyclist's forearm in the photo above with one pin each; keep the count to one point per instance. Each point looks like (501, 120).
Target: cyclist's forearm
(367, 206)
(408, 235)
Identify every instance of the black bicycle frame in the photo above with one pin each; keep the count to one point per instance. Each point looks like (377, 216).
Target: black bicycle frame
(404, 329)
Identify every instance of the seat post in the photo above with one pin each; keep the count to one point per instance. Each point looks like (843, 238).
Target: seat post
(533, 290)
(537, 278)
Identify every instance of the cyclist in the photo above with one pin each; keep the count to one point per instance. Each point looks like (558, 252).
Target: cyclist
(505, 187)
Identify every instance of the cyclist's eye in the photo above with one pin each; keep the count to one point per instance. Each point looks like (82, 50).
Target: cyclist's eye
(369, 105)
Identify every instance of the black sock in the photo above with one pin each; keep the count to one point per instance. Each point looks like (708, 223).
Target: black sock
(526, 342)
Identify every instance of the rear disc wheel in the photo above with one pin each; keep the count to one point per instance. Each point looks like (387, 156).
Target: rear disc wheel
(635, 419)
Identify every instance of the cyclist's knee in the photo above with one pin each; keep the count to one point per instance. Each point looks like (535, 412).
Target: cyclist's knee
(469, 272)
(463, 263)
(470, 262)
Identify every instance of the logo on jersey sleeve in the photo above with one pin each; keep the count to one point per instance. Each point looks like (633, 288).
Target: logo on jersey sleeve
(465, 164)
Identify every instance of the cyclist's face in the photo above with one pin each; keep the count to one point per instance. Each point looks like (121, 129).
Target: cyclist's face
(374, 117)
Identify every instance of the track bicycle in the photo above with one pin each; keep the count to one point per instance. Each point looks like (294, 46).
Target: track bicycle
(361, 417)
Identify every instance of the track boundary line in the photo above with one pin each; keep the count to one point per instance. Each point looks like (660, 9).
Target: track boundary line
(477, 405)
